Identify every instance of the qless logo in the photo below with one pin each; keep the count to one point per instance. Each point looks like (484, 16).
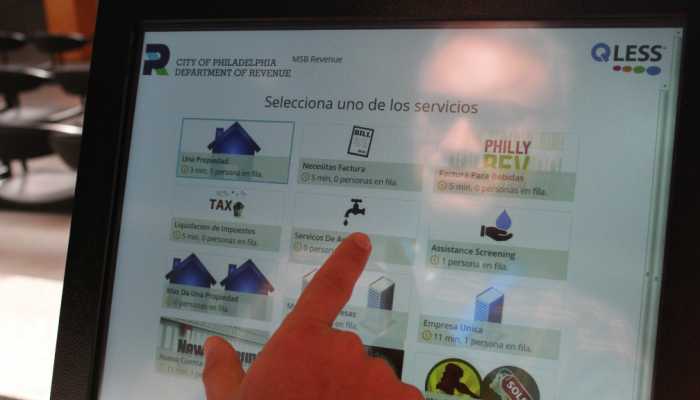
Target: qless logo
(601, 52)
(632, 53)
(158, 56)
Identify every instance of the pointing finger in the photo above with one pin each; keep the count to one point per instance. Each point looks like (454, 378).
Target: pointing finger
(332, 286)
(223, 372)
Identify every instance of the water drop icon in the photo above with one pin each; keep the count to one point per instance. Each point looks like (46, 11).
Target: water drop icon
(345, 222)
(503, 221)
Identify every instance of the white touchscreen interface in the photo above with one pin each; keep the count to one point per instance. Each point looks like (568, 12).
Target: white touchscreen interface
(513, 180)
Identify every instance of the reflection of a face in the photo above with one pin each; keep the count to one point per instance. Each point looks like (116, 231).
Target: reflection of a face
(487, 69)
(510, 78)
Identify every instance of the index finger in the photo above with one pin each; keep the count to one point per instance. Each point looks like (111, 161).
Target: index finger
(332, 286)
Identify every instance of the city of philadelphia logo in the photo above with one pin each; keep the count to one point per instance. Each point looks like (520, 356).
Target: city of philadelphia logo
(602, 53)
(158, 56)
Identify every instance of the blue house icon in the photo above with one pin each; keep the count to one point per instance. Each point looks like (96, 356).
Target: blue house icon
(234, 140)
(246, 279)
(190, 272)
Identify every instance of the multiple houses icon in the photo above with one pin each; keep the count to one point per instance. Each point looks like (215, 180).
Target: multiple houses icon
(307, 279)
(381, 294)
(190, 272)
(234, 140)
(246, 279)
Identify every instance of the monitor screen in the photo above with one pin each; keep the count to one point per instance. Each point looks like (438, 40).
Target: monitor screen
(513, 178)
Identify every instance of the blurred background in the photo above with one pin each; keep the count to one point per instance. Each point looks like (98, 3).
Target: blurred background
(45, 49)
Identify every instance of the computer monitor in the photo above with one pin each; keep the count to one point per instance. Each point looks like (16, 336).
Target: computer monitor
(524, 181)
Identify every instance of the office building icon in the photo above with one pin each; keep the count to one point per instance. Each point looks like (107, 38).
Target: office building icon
(307, 278)
(381, 294)
(489, 306)
(380, 303)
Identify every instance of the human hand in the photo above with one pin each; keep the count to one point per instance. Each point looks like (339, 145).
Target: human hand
(497, 234)
(306, 358)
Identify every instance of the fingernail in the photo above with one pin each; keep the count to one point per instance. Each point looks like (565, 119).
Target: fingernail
(362, 240)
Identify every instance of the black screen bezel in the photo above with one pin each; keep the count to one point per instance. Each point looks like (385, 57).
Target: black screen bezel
(116, 62)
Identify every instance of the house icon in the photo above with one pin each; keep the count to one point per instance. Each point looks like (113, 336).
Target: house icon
(246, 279)
(190, 272)
(234, 140)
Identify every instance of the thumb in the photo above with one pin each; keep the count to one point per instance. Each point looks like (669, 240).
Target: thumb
(223, 372)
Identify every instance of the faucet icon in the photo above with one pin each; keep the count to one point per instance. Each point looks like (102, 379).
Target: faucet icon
(354, 210)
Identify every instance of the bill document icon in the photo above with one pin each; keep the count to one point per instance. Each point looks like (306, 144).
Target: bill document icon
(360, 141)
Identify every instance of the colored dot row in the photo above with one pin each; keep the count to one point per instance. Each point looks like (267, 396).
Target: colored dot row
(638, 69)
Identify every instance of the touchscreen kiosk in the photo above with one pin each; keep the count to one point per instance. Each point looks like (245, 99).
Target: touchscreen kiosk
(513, 178)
